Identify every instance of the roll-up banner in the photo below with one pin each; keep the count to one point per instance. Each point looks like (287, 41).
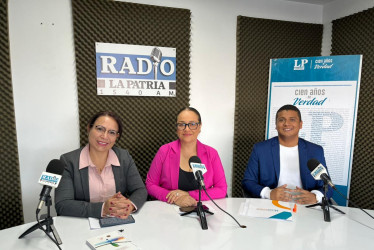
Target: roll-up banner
(326, 90)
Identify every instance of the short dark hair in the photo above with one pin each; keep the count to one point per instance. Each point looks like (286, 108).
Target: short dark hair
(111, 114)
(288, 107)
(189, 109)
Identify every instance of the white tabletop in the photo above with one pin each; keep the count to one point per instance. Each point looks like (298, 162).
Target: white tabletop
(159, 226)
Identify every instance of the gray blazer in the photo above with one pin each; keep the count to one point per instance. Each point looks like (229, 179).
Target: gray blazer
(72, 197)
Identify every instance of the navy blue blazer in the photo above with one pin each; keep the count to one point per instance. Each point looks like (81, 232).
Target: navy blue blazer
(264, 166)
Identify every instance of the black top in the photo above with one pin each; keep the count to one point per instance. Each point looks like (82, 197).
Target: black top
(187, 181)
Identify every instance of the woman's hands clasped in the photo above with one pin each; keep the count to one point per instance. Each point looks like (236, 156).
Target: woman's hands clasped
(118, 206)
(180, 198)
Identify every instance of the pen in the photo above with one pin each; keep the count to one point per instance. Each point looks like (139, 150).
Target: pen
(294, 208)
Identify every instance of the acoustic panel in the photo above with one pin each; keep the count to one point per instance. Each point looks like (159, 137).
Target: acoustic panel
(11, 213)
(353, 35)
(258, 41)
(149, 122)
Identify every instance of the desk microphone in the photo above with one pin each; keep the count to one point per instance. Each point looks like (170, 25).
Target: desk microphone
(50, 178)
(198, 169)
(319, 172)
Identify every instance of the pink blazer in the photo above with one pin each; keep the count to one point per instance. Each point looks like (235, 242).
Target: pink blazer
(163, 175)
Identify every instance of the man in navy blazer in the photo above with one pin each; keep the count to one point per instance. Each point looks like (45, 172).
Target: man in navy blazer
(277, 168)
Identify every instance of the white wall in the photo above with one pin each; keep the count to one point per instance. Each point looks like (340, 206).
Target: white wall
(44, 82)
(44, 85)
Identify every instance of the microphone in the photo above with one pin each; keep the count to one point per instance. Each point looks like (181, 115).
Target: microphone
(156, 56)
(198, 169)
(50, 178)
(319, 172)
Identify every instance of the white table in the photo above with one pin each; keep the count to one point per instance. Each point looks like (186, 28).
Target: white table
(159, 226)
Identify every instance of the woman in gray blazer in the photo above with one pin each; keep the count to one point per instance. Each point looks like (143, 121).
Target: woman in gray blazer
(99, 179)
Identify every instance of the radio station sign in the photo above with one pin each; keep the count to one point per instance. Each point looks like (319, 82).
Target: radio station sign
(135, 70)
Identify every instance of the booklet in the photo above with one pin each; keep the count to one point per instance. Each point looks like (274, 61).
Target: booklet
(271, 209)
(112, 240)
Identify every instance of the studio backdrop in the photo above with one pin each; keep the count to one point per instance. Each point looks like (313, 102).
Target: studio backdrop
(354, 35)
(149, 122)
(11, 212)
(258, 41)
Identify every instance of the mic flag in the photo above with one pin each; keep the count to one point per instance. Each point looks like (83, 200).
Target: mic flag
(319, 172)
(53, 173)
(49, 179)
(198, 169)
(316, 169)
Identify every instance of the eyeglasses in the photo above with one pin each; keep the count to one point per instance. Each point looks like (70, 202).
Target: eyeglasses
(191, 125)
(101, 130)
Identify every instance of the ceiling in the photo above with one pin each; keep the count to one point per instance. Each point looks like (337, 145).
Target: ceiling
(318, 2)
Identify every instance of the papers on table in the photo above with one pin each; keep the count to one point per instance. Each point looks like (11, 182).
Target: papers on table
(112, 240)
(264, 208)
(94, 223)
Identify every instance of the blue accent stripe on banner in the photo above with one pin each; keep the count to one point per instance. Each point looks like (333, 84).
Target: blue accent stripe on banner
(337, 198)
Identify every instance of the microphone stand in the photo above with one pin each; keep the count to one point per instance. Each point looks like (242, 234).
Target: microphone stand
(200, 210)
(325, 205)
(48, 222)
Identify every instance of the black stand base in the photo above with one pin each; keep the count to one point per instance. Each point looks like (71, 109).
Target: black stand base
(326, 209)
(195, 211)
(200, 210)
(48, 222)
(332, 206)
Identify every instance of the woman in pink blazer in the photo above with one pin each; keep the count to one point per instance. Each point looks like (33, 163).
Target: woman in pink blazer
(170, 177)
